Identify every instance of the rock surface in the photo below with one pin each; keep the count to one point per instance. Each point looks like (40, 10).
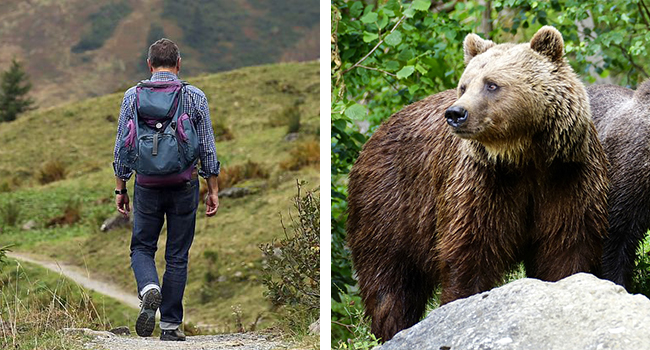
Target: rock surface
(116, 221)
(578, 312)
(234, 192)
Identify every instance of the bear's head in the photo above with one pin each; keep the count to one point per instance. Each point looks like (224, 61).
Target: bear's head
(512, 97)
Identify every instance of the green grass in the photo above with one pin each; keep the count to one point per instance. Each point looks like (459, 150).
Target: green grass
(36, 303)
(81, 136)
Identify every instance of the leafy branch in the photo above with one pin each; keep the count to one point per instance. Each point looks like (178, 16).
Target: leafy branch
(358, 64)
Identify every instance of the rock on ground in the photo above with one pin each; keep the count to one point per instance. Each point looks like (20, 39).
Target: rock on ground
(234, 192)
(233, 341)
(578, 312)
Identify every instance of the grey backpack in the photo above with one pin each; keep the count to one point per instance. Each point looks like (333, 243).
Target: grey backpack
(160, 143)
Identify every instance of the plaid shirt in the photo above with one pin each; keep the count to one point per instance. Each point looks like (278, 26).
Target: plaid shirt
(196, 105)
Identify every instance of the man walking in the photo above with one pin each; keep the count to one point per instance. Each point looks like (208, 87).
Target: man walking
(174, 196)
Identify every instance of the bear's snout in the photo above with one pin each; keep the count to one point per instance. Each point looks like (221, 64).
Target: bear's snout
(456, 116)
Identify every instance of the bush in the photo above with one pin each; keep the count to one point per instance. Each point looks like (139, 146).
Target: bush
(71, 214)
(303, 154)
(289, 116)
(237, 173)
(292, 272)
(10, 212)
(221, 131)
(51, 171)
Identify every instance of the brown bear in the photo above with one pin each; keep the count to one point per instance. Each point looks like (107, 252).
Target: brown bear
(457, 189)
(622, 118)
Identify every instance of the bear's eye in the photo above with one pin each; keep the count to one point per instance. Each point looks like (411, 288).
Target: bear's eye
(492, 87)
(462, 89)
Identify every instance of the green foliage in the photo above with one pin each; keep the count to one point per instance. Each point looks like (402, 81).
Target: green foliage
(10, 212)
(102, 25)
(292, 273)
(388, 54)
(14, 88)
(641, 276)
(352, 330)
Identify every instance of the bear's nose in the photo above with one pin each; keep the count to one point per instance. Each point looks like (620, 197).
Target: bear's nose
(456, 116)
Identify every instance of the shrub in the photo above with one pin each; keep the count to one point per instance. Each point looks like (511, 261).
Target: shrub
(303, 154)
(221, 131)
(240, 172)
(71, 214)
(51, 171)
(289, 116)
(292, 272)
(10, 212)
(9, 185)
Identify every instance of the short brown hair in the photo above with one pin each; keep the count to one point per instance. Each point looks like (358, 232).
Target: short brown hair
(163, 53)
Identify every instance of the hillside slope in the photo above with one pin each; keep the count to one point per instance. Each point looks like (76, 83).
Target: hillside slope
(225, 263)
(74, 49)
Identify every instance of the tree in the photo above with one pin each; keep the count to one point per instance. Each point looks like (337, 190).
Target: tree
(14, 87)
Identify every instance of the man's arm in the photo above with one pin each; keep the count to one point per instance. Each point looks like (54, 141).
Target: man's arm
(212, 200)
(122, 173)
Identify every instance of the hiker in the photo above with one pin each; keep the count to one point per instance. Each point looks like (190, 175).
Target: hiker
(164, 129)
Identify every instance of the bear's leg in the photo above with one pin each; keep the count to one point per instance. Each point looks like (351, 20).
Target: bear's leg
(474, 274)
(395, 297)
(620, 247)
(558, 254)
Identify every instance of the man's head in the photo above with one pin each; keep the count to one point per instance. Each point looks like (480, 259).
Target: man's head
(164, 55)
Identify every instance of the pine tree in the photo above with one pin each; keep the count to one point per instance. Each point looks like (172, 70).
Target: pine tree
(14, 86)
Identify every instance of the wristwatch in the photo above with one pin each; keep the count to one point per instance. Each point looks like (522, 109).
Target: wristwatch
(122, 191)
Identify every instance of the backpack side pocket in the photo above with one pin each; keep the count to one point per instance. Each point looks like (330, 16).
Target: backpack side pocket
(189, 144)
(127, 151)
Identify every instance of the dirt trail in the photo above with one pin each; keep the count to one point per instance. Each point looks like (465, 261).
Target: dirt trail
(84, 278)
(235, 341)
(108, 341)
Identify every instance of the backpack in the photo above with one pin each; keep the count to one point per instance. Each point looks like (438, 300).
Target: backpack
(160, 143)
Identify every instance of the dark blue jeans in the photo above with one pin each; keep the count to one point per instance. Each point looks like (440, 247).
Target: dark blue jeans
(151, 205)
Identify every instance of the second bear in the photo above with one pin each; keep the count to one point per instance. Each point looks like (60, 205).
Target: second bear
(457, 189)
(622, 118)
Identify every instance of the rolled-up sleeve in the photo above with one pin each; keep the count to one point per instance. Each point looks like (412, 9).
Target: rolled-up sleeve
(210, 165)
(126, 112)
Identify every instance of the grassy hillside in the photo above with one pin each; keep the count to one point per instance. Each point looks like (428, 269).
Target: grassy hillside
(250, 109)
(75, 49)
(36, 303)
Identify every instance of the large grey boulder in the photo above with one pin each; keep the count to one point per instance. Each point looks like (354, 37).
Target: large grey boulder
(578, 312)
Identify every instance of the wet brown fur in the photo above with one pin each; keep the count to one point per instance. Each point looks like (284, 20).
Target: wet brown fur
(428, 207)
(622, 118)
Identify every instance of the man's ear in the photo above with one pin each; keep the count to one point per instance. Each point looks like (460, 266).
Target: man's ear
(149, 65)
(473, 46)
(178, 64)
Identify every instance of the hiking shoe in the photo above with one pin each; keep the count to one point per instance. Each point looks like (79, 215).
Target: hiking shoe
(172, 334)
(146, 321)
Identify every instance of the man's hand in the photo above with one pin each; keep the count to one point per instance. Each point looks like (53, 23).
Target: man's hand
(211, 204)
(122, 203)
(212, 198)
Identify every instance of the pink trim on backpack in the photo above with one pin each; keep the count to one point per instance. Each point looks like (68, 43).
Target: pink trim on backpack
(130, 138)
(180, 129)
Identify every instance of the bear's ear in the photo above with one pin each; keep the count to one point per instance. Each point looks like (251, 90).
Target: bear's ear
(548, 41)
(473, 46)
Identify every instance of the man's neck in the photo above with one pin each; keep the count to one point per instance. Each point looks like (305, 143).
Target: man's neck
(168, 70)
